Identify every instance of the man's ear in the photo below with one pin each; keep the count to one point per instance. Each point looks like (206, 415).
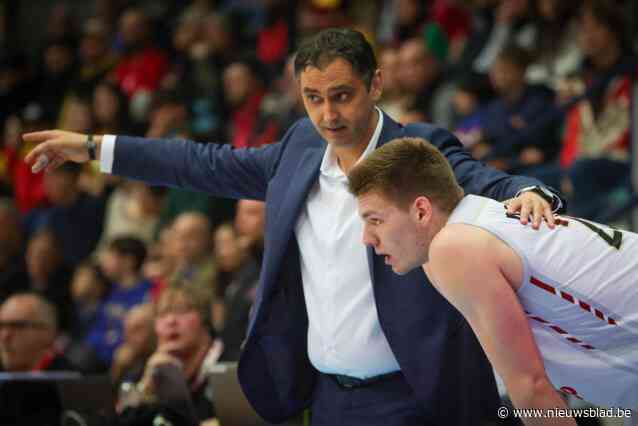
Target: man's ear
(422, 209)
(376, 85)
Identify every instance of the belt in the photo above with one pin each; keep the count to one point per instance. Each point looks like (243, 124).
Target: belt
(348, 382)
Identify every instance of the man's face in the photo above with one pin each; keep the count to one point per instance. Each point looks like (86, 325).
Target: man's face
(179, 327)
(392, 232)
(191, 238)
(417, 67)
(339, 104)
(23, 335)
(507, 77)
(239, 84)
(250, 219)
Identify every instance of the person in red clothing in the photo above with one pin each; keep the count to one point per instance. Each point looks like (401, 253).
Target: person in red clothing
(143, 65)
(245, 91)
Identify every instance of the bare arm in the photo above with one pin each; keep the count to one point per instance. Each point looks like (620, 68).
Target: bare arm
(476, 286)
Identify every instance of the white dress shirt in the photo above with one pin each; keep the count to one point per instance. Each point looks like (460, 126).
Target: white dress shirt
(344, 334)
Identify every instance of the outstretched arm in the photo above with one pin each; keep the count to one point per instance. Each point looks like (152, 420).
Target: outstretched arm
(215, 169)
(464, 268)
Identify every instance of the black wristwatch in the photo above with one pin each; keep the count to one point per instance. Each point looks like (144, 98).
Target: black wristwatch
(91, 146)
(547, 195)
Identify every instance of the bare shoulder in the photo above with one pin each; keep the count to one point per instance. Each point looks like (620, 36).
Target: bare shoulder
(460, 239)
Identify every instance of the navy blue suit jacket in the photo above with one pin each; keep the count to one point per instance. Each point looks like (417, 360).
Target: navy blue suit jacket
(437, 351)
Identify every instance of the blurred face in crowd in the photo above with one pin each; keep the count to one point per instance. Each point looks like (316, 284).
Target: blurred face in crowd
(389, 63)
(215, 34)
(228, 251)
(25, 334)
(115, 265)
(86, 287)
(239, 83)
(595, 38)
(42, 255)
(58, 58)
(133, 28)
(340, 104)
(139, 331)
(250, 219)
(77, 117)
(179, 326)
(507, 77)
(106, 104)
(191, 235)
(418, 68)
(60, 186)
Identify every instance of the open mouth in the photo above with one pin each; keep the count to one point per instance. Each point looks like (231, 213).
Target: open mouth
(335, 129)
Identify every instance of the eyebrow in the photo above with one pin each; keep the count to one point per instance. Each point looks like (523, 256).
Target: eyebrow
(340, 88)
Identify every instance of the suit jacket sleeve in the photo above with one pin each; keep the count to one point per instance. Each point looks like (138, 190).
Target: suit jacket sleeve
(474, 176)
(215, 169)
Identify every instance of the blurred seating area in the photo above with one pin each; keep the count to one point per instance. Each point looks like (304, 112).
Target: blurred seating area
(121, 270)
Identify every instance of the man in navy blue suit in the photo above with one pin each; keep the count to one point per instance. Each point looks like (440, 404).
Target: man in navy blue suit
(333, 328)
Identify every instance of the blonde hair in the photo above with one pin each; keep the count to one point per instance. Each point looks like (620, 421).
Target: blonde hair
(404, 169)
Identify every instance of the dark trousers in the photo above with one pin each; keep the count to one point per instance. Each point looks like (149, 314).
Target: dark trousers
(389, 402)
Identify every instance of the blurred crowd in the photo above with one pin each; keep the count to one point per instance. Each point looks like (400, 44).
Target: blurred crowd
(126, 271)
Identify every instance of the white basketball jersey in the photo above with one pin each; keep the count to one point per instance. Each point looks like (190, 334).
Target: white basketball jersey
(580, 292)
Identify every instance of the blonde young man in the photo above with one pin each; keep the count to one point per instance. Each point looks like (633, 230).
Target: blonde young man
(553, 309)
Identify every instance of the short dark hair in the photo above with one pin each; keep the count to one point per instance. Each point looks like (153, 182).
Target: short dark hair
(333, 43)
(404, 169)
(129, 246)
(516, 55)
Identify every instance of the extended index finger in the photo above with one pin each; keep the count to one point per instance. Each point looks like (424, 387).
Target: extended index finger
(40, 136)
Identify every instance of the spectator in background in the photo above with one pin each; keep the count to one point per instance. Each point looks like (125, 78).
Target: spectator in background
(471, 95)
(276, 38)
(513, 24)
(595, 153)
(76, 113)
(250, 222)
(55, 76)
(284, 103)
(132, 209)
(410, 17)
(168, 116)
(245, 90)
(110, 108)
(49, 276)
(74, 217)
(89, 289)
(122, 263)
(13, 274)
(421, 75)
(138, 345)
(184, 340)
(96, 59)
(28, 189)
(392, 100)
(202, 78)
(191, 233)
(239, 276)
(557, 54)
(142, 65)
(511, 140)
(17, 86)
(28, 330)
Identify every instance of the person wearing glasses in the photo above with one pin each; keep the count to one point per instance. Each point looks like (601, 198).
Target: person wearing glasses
(28, 329)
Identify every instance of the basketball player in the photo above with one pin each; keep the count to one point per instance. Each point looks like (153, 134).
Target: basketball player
(553, 309)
